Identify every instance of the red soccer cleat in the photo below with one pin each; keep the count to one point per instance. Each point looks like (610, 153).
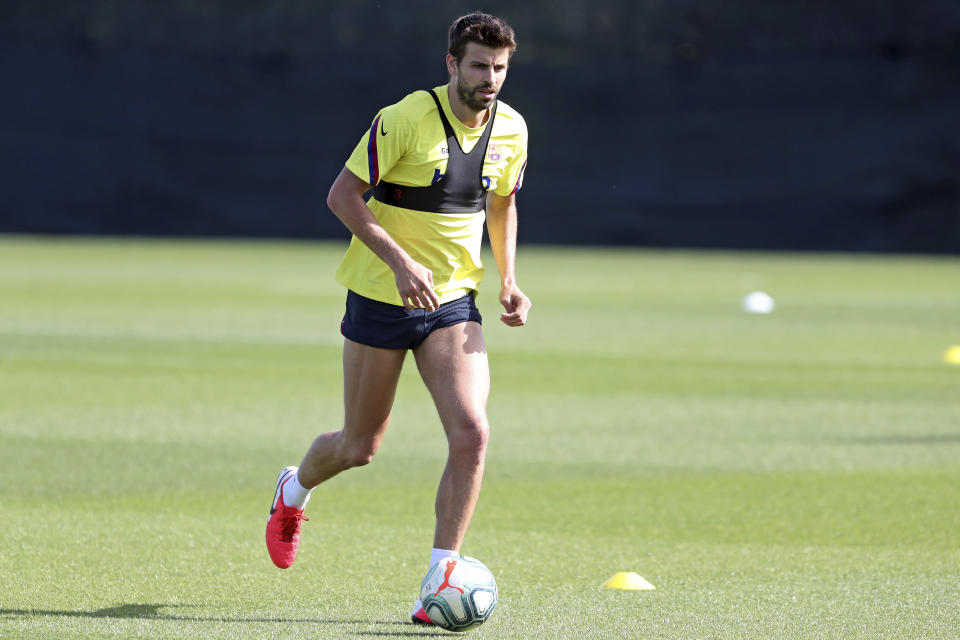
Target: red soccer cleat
(419, 616)
(283, 527)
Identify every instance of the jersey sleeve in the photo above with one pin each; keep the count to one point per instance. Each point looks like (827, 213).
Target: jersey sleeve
(380, 147)
(512, 178)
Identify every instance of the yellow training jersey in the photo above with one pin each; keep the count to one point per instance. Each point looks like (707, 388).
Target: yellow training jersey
(406, 145)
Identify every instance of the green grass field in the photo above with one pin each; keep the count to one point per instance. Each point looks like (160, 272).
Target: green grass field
(795, 475)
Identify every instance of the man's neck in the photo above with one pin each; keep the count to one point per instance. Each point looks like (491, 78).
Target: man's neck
(466, 115)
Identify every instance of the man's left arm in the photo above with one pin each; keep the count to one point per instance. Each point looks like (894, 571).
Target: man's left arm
(502, 227)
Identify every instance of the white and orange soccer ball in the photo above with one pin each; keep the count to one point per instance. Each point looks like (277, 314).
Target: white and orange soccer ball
(459, 593)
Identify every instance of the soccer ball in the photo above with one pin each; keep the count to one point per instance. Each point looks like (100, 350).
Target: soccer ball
(458, 593)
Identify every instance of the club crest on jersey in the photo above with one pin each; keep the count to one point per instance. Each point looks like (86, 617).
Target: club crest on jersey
(493, 153)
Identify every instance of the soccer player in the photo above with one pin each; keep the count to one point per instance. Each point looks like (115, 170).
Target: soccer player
(439, 162)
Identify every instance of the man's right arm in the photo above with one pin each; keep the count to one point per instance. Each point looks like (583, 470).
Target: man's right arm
(414, 281)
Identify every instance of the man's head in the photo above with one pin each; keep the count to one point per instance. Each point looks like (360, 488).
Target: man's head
(482, 28)
(480, 49)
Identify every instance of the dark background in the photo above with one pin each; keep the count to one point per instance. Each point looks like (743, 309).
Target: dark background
(828, 125)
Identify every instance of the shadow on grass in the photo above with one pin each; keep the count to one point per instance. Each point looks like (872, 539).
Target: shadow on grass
(152, 612)
(423, 631)
(412, 634)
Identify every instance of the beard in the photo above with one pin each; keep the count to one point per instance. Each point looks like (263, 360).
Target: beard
(469, 96)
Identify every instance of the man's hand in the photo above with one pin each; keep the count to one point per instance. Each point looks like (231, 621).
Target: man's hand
(415, 285)
(517, 305)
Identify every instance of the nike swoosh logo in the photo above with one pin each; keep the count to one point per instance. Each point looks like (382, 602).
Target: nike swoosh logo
(278, 494)
(382, 132)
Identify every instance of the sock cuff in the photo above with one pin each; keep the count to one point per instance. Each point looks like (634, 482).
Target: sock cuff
(294, 493)
(436, 555)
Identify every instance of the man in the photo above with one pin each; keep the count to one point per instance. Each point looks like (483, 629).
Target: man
(434, 160)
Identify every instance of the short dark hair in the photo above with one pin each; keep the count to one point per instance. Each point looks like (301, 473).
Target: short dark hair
(482, 28)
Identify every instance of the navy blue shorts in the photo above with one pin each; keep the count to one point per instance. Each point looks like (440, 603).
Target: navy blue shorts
(389, 326)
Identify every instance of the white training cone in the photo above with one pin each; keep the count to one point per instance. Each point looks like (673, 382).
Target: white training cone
(757, 302)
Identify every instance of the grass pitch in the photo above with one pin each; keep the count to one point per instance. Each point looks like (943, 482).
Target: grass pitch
(795, 475)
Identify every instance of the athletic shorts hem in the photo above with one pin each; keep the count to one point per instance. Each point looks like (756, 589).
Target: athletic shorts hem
(389, 326)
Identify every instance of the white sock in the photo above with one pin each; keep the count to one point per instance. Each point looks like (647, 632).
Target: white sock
(436, 555)
(294, 493)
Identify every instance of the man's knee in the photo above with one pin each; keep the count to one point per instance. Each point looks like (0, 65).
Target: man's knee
(357, 454)
(470, 436)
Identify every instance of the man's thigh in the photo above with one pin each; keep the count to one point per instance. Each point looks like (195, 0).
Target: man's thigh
(454, 367)
(370, 376)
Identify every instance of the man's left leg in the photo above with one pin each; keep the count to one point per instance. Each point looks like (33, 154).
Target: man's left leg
(453, 364)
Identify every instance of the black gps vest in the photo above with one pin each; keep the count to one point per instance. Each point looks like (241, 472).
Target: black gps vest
(459, 190)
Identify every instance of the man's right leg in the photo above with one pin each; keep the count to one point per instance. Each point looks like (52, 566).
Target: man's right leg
(370, 378)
